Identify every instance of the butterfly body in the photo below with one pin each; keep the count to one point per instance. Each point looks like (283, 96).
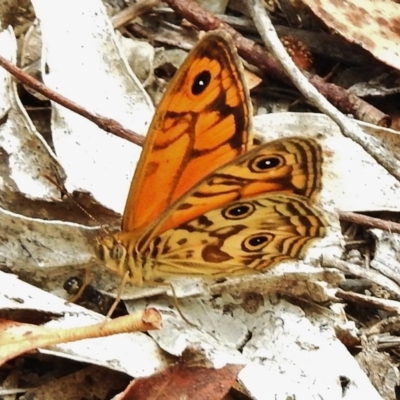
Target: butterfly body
(204, 201)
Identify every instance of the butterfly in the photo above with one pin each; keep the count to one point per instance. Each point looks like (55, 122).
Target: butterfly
(205, 201)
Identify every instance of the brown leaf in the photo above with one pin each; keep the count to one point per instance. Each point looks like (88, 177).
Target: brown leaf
(180, 382)
(372, 24)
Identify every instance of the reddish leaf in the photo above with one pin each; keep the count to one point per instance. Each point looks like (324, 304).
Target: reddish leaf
(182, 382)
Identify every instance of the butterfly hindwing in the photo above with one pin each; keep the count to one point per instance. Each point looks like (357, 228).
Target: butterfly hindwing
(291, 165)
(243, 237)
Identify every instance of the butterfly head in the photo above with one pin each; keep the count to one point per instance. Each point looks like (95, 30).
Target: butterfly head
(110, 251)
(116, 253)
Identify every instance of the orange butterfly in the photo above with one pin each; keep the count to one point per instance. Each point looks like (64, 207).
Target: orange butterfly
(203, 200)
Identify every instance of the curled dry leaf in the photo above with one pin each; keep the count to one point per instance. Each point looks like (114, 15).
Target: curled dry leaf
(27, 156)
(17, 338)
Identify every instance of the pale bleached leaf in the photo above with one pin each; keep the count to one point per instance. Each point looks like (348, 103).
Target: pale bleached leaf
(82, 60)
(27, 156)
(352, 179)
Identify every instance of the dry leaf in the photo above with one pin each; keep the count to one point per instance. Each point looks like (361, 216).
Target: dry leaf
(90, 69)
(372, 24)
(183, 382)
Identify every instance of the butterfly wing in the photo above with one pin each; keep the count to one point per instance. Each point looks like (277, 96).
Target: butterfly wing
(195, 174)
(201, 123)
(292, 165)
(241, 238)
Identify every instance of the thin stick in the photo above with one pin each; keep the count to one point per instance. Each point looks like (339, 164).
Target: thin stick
(371, 222)
(371, 301)
(133, 11)
(19, 338)
(107, 124)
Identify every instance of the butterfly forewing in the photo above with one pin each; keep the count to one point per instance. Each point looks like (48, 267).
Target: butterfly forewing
(201, 123)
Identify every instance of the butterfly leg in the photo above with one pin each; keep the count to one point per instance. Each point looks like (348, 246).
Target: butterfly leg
(176, 305)
(121, 287)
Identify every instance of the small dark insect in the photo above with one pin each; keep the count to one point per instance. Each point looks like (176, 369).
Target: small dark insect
(91, 298)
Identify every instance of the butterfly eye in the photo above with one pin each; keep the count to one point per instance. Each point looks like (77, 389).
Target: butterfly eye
(201, 82)
(256, 242)
(263, 163)
(239, 211)
(118, 252)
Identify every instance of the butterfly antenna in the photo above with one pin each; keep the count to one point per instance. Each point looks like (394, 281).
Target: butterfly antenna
(87, 280)
(64, 192)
